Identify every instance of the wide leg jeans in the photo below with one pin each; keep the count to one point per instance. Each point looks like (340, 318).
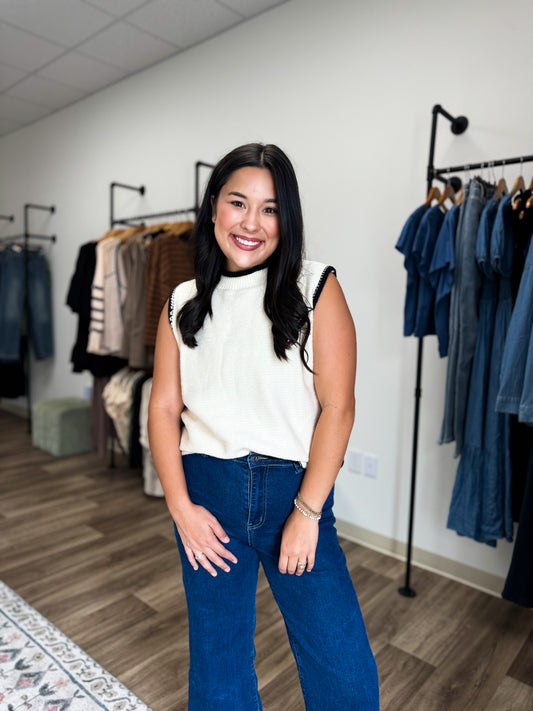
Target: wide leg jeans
(252, 496)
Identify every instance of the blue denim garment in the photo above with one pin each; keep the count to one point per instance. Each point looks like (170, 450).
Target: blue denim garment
(497, 467)
(467, 504)
(516, 376)
(404, 245)
(12, 297)
(441, 275)
(422, 251)
(252, 497)
(463, 313)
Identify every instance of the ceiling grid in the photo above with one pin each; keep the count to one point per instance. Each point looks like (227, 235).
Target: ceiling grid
(57, 52)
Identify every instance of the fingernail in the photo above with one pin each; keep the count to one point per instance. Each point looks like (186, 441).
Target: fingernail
(225, 539)
(214, 573)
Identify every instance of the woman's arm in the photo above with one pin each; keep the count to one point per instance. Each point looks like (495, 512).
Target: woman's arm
(334, 364)
(199, 530)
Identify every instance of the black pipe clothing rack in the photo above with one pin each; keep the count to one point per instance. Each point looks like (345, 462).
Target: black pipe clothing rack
(141, 190)
(26, 236)
(458, 125)
(136, 219)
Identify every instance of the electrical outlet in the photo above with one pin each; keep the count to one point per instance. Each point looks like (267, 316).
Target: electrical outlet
(354, 461)
(370, 465)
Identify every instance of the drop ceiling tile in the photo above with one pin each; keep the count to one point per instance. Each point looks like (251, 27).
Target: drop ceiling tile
(24, 50)
(9, 75)
(45, 92)
(118, 8)
(186, 22)
(127, 47)
(67, 22)
(249, 8)
(14, 109)
(82, 72)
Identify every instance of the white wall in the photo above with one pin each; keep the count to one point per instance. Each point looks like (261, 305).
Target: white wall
(346, 88)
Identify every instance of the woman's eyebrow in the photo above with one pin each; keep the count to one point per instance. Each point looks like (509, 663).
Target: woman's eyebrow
(234, 192)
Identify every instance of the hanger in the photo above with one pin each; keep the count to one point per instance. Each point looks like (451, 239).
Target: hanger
(519, 184)
(434, 194)
(448, 192)
(115, 232)
(501, 189)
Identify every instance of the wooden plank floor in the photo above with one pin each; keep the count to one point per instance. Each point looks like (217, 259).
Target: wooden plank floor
(84, 545)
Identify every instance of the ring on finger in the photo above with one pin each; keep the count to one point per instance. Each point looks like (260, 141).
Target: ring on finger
(301, 566)
(199, 556)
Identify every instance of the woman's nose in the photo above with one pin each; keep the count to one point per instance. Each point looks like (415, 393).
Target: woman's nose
(250, 221)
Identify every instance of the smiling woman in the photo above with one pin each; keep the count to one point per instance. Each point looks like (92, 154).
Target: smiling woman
(251, 409)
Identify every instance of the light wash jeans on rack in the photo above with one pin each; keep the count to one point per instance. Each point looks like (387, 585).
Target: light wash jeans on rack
(463, 313)
(12, 301)
(252, 496)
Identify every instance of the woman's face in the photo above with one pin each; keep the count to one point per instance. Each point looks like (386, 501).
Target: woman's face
(246, 218)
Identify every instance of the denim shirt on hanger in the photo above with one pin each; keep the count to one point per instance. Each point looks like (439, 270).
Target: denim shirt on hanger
(405, 245)
(441, 274)
(422, 251)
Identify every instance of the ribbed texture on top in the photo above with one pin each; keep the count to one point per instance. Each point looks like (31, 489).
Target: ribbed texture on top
(239, 397)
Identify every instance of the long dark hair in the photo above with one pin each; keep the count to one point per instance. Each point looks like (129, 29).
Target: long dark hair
(283, 301)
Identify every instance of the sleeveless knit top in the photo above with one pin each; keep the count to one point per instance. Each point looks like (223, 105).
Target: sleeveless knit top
(238, 396)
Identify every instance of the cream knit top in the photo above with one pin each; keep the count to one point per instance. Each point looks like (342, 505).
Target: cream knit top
(238, 396)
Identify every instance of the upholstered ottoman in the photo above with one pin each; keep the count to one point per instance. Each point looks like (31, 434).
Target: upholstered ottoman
(62, 427)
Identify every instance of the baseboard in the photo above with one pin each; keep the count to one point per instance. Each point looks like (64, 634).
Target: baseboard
(19, 410)
(460, 572)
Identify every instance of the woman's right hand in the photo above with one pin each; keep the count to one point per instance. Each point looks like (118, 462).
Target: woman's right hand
(202, 537)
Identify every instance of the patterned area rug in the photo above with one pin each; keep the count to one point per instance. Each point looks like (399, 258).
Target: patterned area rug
(42, 670)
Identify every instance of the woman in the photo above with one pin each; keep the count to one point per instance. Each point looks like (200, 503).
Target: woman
(256, 357)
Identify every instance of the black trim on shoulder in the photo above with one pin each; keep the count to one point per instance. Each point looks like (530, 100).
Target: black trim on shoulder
(245, 272)
(327, 271)
(171, 309)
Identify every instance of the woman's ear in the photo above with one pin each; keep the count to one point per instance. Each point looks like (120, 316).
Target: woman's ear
(213, 209)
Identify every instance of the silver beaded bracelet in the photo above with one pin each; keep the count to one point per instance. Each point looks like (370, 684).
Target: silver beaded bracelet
(306, 506)
(305, 513)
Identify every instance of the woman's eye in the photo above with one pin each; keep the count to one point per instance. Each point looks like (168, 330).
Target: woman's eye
(237, 203)
(271, 210)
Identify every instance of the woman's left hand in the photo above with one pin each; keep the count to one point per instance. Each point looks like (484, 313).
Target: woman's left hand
(298, 544)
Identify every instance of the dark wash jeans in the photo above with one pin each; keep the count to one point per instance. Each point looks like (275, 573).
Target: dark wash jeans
(12, 298)
(252, 496)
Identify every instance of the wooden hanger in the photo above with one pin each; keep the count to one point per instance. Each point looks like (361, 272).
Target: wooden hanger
(115, 232)
(519, 184)
(459, 198)
(434, 194)
(448, 192)
(501, 189)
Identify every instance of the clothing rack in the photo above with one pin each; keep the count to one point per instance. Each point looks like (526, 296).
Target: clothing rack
(458, 125)
(26, 236)
(141, 189)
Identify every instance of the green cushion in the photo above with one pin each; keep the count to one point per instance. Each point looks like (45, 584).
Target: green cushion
(62, 427)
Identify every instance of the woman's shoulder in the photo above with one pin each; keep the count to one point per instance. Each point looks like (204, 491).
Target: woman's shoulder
(313, 276)
(179, 296)
(184, 291)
